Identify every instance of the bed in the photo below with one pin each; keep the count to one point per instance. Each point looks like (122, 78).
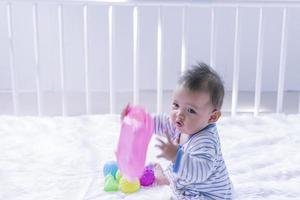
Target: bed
(63, 157)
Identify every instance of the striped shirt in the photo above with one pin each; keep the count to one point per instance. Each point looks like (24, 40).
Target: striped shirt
(199, 171)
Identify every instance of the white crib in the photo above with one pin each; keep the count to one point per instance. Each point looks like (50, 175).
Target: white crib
(90, 57)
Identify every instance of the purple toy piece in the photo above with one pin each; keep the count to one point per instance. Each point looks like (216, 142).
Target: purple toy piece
(148, 176)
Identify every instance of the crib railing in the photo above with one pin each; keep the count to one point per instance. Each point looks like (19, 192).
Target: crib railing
(126, 65)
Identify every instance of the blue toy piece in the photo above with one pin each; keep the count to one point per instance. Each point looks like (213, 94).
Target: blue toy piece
(110, 167)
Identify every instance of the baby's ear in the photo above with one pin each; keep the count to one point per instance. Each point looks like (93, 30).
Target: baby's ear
(215, 115)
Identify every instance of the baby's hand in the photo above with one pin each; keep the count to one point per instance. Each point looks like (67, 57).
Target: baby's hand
(168, 149)
(160, 178)
(125, 111)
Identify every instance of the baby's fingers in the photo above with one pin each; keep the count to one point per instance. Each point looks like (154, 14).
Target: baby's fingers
(161, 147)
(160, 141)
(160, 156)
(125, 111)
(168, 136)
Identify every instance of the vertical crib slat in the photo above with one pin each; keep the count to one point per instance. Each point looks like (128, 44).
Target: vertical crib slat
(183, 41)
(259, 59)
(235, 84)
(159, 62)
(36, 57)
(15, 95)
(86, 60)
(135, 56)
(279, 107)
(112, 92)
(212, 39)
(299, 103)
(61, 59)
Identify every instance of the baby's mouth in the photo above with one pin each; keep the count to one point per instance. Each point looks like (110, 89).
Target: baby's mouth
(179, 124)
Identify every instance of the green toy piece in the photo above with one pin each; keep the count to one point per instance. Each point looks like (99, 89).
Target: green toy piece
(110, 184)
(118, 176)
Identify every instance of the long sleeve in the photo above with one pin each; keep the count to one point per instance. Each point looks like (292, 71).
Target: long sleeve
(199, 169)
(196, 164)
(162, 123)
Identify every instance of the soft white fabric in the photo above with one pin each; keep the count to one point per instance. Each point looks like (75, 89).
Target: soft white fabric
(62, 157)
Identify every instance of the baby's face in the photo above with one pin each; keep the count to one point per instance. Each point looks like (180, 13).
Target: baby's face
(191, 110)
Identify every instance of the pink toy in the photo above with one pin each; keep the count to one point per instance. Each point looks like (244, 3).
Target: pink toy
(148, 177)
(135, 135)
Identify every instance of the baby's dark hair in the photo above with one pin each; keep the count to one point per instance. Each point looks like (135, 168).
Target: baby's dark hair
(202, 77)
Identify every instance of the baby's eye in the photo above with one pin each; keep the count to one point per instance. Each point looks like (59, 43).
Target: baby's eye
(175, 106)
(190, 110)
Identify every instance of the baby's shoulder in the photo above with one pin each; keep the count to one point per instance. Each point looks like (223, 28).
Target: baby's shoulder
(206, 137)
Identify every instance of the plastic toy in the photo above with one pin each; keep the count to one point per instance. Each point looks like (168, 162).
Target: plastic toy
(115, 181)
(127, 186)
(118, 176)
(110, 184)
(110, 167)
(135, 135)
(148, 176)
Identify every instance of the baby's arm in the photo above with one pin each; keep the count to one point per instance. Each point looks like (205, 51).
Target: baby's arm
(162, 125)
(196, 163)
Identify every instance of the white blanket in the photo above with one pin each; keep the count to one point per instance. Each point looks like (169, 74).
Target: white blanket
(63, 157)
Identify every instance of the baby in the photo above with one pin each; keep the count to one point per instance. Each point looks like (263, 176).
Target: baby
(197, 169)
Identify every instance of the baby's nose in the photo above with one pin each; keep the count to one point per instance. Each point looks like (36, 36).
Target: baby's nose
(180, 113)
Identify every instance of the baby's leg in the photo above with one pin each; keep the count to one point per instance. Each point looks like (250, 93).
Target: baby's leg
(160, 177)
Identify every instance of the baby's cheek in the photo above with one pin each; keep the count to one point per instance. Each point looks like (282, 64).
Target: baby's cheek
(172, 117)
